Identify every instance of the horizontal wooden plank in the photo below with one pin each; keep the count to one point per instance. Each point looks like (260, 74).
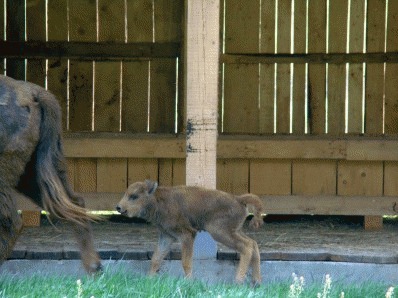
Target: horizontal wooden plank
(314, 58)
(331, 205)
(290, 204)
(102, 201)
(104, 145)
(89, 50)
(128, 51)
(376, 150)
(123, 146)
(355, 148)
(285, 148)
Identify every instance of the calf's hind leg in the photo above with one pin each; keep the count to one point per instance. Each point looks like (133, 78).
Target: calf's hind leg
(255, 261)
(187, 240)
(235, 240)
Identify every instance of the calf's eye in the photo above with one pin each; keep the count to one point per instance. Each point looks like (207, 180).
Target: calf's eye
(133, 197)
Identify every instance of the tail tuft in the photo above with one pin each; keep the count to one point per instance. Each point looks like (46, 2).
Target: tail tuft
(56, 194)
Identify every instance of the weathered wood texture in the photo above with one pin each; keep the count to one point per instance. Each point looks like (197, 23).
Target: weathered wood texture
(319, 67)
(85, 52)
(201, 93)
(325, 70)
(299, 166)
(101, 145)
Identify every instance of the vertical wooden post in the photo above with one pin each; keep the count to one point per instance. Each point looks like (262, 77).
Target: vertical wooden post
(201, 95)
(373, 222)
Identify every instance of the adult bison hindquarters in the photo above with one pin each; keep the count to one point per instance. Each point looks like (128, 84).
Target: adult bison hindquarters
(32, 164)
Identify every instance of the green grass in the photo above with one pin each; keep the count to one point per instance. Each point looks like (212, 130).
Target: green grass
(120, 284)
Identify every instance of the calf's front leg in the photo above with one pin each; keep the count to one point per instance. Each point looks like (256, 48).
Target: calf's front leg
(161, 251)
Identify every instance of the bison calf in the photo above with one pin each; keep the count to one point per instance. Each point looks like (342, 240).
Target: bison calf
(180, 212)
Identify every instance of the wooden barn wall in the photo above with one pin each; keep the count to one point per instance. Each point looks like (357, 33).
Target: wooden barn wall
(304, 100)
(108, 96)
(289, 103)
(297, 98)
(133, 96)
(129, 96)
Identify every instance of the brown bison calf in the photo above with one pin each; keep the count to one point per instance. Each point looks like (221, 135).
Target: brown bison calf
(180, 212)
(32, 164)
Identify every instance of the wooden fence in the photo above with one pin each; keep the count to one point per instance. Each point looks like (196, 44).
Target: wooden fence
(308, 96)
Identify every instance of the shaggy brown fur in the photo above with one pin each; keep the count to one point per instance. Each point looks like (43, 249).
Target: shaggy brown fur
(32, 163)
(180, 212)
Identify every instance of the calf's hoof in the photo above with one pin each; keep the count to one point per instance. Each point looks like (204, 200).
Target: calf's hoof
(153, 272)
(95, 268)
(188, 276)
(255, 283)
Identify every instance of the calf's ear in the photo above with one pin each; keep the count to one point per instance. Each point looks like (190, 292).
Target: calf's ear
(152, 186)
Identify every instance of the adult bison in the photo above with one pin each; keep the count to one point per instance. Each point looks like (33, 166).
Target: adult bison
(32, 164)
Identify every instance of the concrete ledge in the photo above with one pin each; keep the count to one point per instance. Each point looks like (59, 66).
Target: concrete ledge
(333, 255)
(136, 254)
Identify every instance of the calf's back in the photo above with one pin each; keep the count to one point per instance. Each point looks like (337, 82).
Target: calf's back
(199, 205)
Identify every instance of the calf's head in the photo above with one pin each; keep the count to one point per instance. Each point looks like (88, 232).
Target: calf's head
(136, 198)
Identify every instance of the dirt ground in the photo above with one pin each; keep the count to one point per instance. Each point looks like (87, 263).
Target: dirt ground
(290, 239)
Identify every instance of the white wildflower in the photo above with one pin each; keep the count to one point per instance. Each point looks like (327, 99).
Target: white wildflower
(297, 287)
(327, 285)
(79, 288)
(390, 292)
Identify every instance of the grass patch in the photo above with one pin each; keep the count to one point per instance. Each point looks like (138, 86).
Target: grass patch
(121, 284)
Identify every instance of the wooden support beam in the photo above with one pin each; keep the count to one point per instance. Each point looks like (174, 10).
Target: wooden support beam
(119, 145)
(104, 145)
(31, 218)
(201, 98)
(313, 58)
(372, 223)
(30, 212)
(331, 205)
(369, 206)
(202, 56)
(89, 50)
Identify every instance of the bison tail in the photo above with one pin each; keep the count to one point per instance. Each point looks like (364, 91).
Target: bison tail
(56, 193)
(253, 201)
